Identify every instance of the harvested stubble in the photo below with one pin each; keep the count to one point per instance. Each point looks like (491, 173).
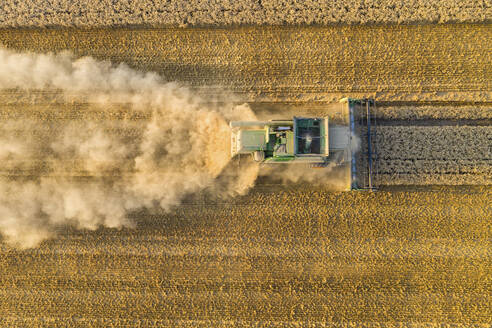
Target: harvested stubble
(275, 257)
(294, 63)
(84, 13)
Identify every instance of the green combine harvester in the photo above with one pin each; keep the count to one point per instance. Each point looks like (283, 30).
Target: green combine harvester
(314, 141)
(300, 140)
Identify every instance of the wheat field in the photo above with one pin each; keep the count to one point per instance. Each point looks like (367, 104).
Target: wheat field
(277, 257)
(414, 254)
(273, 63)
(97, 13)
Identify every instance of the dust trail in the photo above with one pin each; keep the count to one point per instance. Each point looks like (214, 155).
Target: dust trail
(84, 173)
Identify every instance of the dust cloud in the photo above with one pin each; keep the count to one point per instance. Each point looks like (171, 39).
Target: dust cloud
(86, 174)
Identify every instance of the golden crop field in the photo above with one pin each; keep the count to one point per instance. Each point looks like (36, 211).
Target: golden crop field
(428, 155)
(402, 62)
(276, 257)
(90, 13)
(120, 206)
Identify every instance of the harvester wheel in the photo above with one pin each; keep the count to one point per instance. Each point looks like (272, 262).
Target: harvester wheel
(259, 156)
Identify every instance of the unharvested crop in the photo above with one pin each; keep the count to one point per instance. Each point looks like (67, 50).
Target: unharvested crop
(446, 112)
(429, 155)
(92, 13)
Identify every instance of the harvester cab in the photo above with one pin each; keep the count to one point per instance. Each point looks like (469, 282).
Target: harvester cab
(300, 140)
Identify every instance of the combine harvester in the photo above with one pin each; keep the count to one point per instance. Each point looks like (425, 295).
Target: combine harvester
(317, 142)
